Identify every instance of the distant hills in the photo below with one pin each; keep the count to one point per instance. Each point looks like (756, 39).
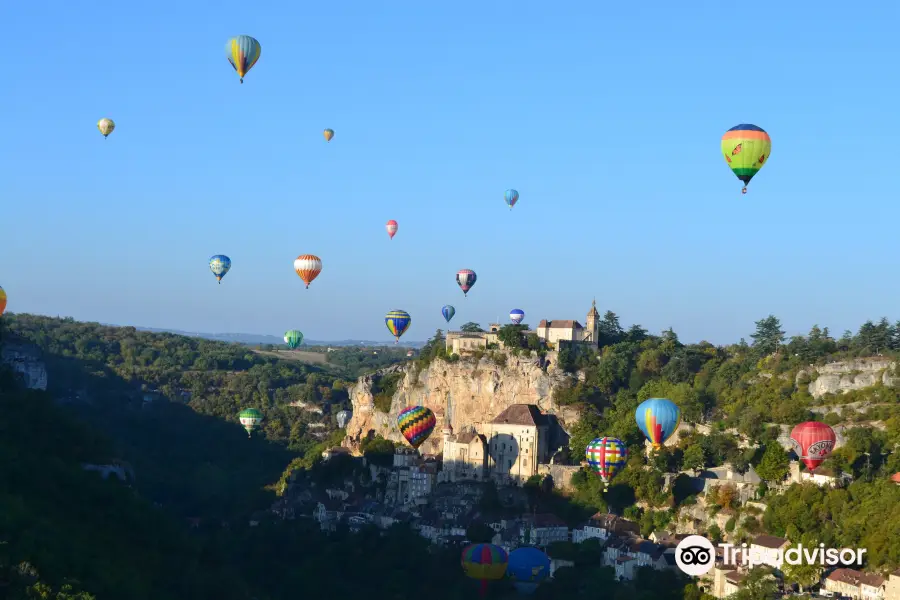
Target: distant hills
(253, 339)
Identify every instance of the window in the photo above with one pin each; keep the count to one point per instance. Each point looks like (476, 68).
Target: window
(509, 464)
(524, 462)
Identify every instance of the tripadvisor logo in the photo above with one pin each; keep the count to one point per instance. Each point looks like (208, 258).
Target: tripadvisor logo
(696, 555)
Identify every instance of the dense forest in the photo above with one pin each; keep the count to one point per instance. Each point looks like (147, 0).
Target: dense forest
(166, 406)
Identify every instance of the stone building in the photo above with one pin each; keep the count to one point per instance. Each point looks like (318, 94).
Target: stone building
(462, 342)
(855, 584)
(465, 455)
(554, 332)
(517, 442)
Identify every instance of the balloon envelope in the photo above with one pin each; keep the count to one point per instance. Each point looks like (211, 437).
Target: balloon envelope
(219, 265)
(397, 322)
(343, 418)
(242, 53)
(511, 197)
(606, 456)
(484, 562)
(391, 228)
(2, 301)
(466, 278)
(308, 267)
(658, 418)
(448, 312)
(528, 567)
(293, 338)
(106, 126)
(516, 315)
(416, 423)
(813, 442)
(746, 149)
(250, 418)
(328, 133)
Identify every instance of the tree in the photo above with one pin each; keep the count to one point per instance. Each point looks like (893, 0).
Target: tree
(479, 533)
(769, 335)
(802, 574)
(694, 459)
(774, 465)
(610, 330)
(511, 336)
(471, 327)
(759, 585)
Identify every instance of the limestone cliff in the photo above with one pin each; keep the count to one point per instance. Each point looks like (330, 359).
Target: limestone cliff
(471, 392)
(26, 361)
(843, 376)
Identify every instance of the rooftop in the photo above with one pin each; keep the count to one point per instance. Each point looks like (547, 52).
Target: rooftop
(520, 414)
(558, 324)
(769, 541)
(856, 578)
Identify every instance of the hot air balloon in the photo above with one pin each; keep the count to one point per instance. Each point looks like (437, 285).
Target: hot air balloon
(606, 456)
(416, 423)
(293, 338)
(516, 315)
(397, 322)
(511, 197)
(448, 312)
(343, 418)
(106, 126)
(242, 52)
(466, 278)
(746, 149)
(328, 133)
(391, 228)
(219, 265)
(527, 568)
(250, 418)
(484, 562)
(308, 267)
(658, 418)
(813, 442)
(2, 301)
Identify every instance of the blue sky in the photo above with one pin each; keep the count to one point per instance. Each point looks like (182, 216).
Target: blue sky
(606, 117)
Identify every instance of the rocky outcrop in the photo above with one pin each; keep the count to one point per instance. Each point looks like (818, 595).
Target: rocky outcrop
(843, 376)
(465, 392)
(26, 361)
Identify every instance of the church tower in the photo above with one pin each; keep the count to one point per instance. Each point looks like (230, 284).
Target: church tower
(592, 325)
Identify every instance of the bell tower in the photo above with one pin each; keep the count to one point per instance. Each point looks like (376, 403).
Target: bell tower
(592, 325)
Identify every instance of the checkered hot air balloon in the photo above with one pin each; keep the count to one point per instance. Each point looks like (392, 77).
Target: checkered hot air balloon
(416, 423)
(606, 456)
(466, 278)
(484, 562)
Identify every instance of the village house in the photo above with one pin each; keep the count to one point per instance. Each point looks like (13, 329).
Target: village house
(726, 581)
(822, 477)
(569, 331)
(542, 530)
(855, 584)
(892, 586)
(465, 455)
(602, 526)
(627, 555)
(765, 550)
(517, 442)
(466, 342)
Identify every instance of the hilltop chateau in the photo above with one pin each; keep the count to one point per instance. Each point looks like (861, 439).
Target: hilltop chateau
(552, 333)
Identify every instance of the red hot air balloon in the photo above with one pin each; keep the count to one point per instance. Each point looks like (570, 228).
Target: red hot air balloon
(813, 442)
(391, 228)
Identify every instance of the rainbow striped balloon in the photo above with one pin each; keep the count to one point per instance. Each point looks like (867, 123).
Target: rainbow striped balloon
(606, 456)
(416, 423)
(658, 418)
(746, 149)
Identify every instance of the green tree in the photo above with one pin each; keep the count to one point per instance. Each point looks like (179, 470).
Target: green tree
(471, 327)
(610, 330)
(774, 465)
(802, 574)
(693, 459)
(759, 585)
(512, 336)
(768, 336)
(479, 532)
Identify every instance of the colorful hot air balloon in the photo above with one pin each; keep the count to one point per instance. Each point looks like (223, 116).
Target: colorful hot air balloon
(308, 267)
(511, 197)
(484, 562)
(416, 423)
(813, 442)
(250, 418)
(293, 338)
(219, 265)
(106, 126)
(343, 418)
(746, 149)
(606, 456)
(328, 133)
(397, 322)
(516, 315)
(658, 418)
(2, 301)
(391, 228)
(448, 312)
(466, 278)
(242, 52)
(527, 568)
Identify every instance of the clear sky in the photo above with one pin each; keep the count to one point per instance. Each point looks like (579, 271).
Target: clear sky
(605, 116)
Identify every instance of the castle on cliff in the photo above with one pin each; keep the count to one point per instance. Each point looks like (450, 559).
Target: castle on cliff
(551, 333)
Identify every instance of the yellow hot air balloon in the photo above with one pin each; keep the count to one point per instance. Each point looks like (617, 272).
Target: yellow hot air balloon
(106, 126)
(2, 301)
(329, 133)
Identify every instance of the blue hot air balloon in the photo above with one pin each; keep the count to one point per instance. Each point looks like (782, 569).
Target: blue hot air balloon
(516, 315)
(527, 568)
(658, 418)
(448, 312)
(219, 265)
(511, 197)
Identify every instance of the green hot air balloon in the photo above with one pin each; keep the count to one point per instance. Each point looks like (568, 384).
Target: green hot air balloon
(293, 338)
(250, 418)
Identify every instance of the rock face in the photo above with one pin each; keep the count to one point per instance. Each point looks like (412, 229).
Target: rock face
(465, 391)
(843, 376)
(26, 362)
